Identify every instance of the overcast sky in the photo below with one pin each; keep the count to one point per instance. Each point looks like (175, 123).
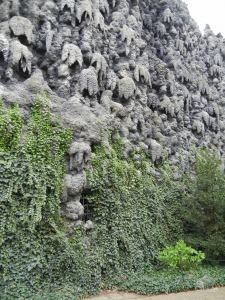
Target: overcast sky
(210, 12)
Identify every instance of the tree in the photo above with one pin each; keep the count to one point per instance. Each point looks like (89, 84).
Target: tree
(204, 207)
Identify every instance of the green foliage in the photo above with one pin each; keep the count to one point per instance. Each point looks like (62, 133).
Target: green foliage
(134, 214)
(167, 281)
(204, 207)
(181, 256)
(10, 127)
(44, 139)
(35, 252)
(136, 211)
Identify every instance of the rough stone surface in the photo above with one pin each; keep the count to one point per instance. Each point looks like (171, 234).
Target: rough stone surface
(141, 67)
(80, 153)
(74, 210)
(75, 184)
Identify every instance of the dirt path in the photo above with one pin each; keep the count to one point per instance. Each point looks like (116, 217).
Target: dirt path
(212, 294)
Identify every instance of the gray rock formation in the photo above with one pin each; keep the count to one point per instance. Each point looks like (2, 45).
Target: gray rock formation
(141, 67)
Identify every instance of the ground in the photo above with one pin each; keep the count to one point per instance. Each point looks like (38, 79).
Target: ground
(211, 294)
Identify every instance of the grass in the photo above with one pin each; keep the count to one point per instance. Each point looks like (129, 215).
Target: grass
(152, 282)
(168, 281)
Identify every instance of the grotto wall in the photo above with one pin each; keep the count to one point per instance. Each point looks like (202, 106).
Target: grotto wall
(141, 67)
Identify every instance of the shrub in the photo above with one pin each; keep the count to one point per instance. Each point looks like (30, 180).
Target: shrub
(204, 206)
(181, 256)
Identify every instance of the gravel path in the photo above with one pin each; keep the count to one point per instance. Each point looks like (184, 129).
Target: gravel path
(212, 294)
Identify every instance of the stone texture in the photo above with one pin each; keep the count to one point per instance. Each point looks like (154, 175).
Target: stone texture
(140, 67)
(74, 210)
(80, 153)
(75, 184)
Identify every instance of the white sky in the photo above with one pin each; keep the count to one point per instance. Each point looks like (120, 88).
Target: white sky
(210, 12)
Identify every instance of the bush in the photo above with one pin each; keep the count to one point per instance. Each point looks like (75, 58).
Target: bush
(181, 256)
(203, 210)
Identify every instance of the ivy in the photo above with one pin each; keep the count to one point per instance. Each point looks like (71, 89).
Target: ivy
(10, 127)
(134, 211)
(166, 281)
(35, 253)
(135, 215)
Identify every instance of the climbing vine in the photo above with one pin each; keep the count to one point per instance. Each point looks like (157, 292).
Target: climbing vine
(10, 127)
(134, 211)
(35, 252)
(135, 214)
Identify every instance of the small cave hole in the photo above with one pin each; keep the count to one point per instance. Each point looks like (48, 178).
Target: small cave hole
(86, 60)
(94, 64)
(141, 52)
(99, 27)
(139, 127)
(115, 95)
(156, 87)
(2, 59)
(75, 67)
(68, 162)
(85, 157)
(41, 23)
(85, 93)
(158, 163)
(142, 79)
(66, 8)
(121, 246)
(21, 73)
(123, 53)
(88, 209)
(186, 105)
(23, 40)
(10, 5)
(84, 17)
(77, 23)
(94, 146)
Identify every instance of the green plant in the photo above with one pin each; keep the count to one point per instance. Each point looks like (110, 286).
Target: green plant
(134, 214)
(10, 127)
(171, 281)
(181, 256)
(203, 210)
(36, 255)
